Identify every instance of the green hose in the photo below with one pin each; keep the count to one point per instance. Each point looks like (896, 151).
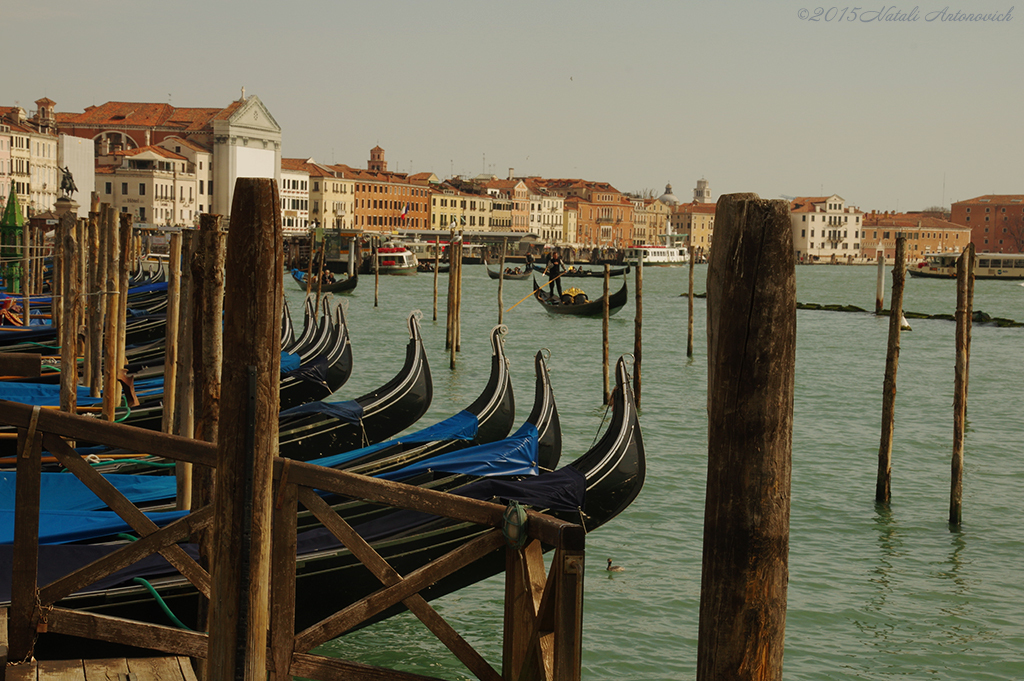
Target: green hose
(160, 601)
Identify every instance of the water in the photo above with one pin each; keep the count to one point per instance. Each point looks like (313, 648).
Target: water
(873, 594)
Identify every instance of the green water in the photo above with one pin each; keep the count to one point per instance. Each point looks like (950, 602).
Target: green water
(873, 594)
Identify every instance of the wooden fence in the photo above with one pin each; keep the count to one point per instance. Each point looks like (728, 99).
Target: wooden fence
(543, 613)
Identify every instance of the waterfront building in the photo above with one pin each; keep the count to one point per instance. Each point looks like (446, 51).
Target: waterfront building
(604, 214)
(384, 201)
(33, 155)
(693, 224)
(546, 212)
(294, 195)
(925, 235)
(157, 186)
(825, 228)
(513, 194)
(996, 221)
(463, 204)
(244, 138)
(5, 163)
(331, 196)
(200, 159)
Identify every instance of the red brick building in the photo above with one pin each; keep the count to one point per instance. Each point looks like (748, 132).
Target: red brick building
(996, 222)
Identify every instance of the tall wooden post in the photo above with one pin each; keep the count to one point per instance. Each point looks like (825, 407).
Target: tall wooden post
(604, 335)
(880, 285)
(458, 301)
(963, 326)
(751, 327)
(69, 325)
(437, 262)
(122, 291)
(26, 273)
(638, 328)
(883, 487)
(184, 409)
(113, 281)
(501, 282)
(207, 341)
(971, 262)
(239, 603)
(376, 271)
(689, 307)
(93, 356)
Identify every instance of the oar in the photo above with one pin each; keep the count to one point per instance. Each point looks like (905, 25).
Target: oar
(537, 289)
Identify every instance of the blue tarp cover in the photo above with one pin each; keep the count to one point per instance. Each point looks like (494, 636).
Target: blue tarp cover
(461, 426)
(350, 412)
(65, 492)
(515, 455)
(48, 394)
(290, 362)
(63, 527)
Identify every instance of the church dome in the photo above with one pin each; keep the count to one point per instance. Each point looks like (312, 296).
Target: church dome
(668, 197)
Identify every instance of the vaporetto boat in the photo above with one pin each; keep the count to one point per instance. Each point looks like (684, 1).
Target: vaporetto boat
(986, 266)
(658, 256)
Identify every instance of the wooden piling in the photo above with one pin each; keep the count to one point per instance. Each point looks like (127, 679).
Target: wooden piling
(171, 334)
(638, 329)
(963, 325)
(458, 300)
(239, 612)
(501, 281)
(376, 271)
(604, 335)
(880, 285)
(751, 328)
(69, 303)
(183, 419)
(26, 273)
(112, 255)
(93, 356)
(971, 262)
(437, 262)
(883, 487)
(689, 308)
(124, 261)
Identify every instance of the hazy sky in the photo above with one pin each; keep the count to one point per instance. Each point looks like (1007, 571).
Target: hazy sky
(749, 95)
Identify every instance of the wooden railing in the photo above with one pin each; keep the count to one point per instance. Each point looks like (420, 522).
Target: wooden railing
(542, 618)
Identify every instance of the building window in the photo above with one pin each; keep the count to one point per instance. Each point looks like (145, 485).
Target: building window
(124, 188)
(110, 187)
(142, 189)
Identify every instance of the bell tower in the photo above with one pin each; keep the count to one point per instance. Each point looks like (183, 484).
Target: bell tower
(377, 161)
(702, 194)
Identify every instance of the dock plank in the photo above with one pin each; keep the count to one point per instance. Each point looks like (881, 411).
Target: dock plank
(155, 669)
(61, 670)
(110, 669)
(21, 672)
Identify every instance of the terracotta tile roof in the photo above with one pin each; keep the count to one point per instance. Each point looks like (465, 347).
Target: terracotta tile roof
(909, 220)
(992, 198)
(191, 144)
(295, 164)
(705, 208)
(159, 151)
(147, 115)
(105, 169)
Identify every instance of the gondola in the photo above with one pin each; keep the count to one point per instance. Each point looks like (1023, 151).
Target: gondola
(592, 490)
(583, 309)
(346, 284)
(507, 275)
(318, 428)
(580, 271)
(427, 267)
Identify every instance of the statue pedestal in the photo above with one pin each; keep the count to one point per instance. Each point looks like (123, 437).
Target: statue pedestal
(65, 204)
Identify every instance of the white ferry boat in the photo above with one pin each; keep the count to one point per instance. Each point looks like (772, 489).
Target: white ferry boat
(986, 266)
(658, 256)
(393, 258)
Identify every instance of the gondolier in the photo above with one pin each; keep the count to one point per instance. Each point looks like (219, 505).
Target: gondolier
(553, 269)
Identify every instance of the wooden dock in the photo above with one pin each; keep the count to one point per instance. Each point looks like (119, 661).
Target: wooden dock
(177, 668)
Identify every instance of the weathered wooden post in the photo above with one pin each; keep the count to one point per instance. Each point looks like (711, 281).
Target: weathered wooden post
(25, 553)
(963, 325)
(110, 367)
(437, 262)
(883, 488)
(751, 327)
(93, 356)
(125, 237)
(501, 281)
(69, 304)
(247, 444)
(638, 328)
(971, 262)
(689, 307)
(604, 335)
(880, 285)
(458, 301)
(376, 271)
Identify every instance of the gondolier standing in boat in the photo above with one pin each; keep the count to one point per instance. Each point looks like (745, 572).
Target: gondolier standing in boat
(553, 269)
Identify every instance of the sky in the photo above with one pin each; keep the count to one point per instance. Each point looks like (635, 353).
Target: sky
(753, 96)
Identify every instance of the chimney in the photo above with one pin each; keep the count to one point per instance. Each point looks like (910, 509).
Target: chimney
(511, 173)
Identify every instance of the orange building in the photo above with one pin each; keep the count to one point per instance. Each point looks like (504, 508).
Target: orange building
(604, 214)
(925, 235)
(996, 222)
